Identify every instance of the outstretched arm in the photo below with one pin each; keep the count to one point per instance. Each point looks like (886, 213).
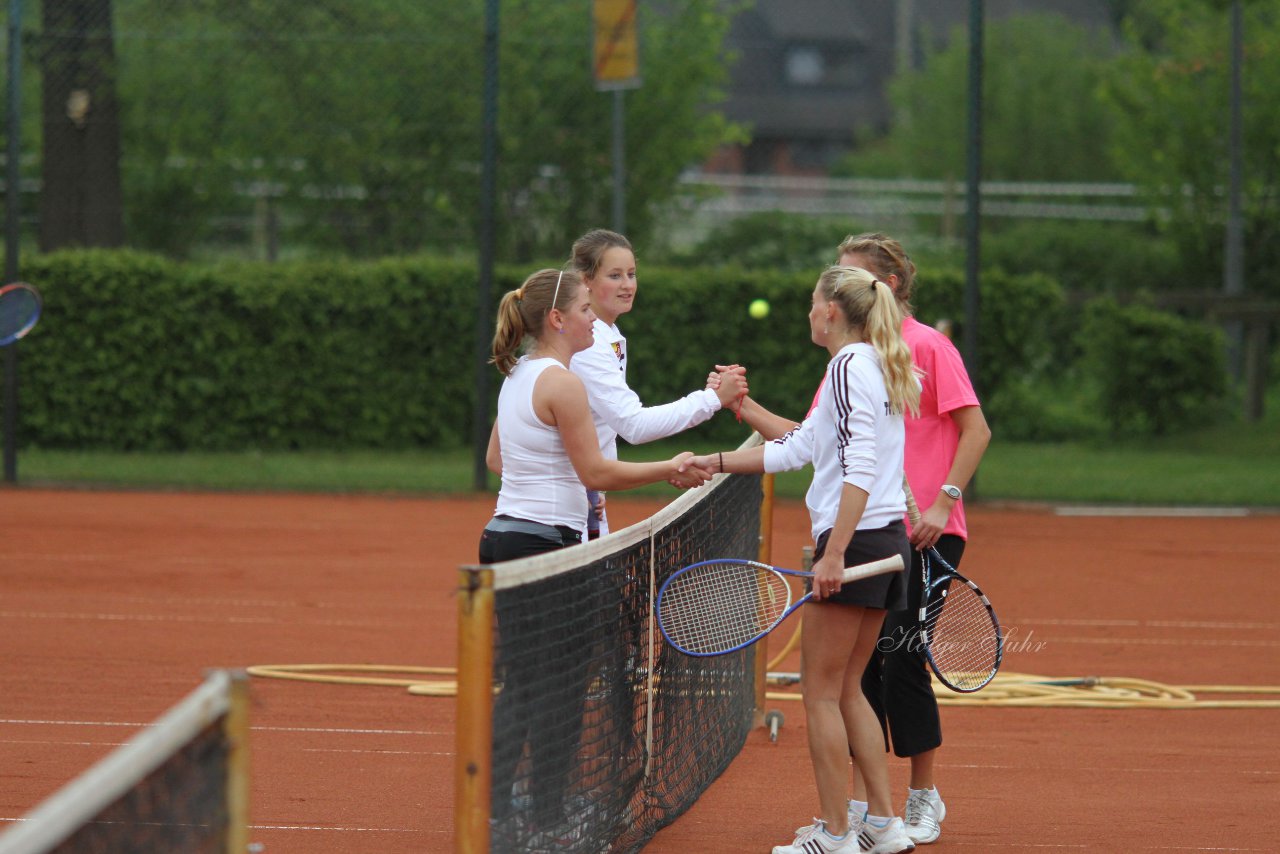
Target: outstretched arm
(561, 399)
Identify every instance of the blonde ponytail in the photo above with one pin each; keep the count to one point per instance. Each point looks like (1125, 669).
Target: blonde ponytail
(869, 305)
(884, 330)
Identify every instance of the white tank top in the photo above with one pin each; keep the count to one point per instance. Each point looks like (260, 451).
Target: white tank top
(538, 480)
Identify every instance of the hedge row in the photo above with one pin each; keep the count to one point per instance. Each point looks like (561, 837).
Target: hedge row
(135, 352)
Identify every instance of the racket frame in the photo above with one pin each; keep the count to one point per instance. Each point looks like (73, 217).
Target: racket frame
(30, 323)
(892, 563)
(948, 577)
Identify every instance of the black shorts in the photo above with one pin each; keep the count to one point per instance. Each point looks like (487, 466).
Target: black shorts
(888, 590)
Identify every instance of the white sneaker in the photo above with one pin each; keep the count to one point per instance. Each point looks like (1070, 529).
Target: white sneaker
(924, 814)
(856, 815)
(890, 839)
(814, 839)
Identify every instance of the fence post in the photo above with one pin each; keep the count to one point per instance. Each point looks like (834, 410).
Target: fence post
(473, 769)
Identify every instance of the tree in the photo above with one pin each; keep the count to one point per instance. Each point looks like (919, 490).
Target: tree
(1170, 91)
(80, 198)
(1042, 117)
(360, 122)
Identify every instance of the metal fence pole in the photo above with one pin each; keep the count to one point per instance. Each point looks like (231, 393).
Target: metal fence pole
(488, 193)
(12, 230)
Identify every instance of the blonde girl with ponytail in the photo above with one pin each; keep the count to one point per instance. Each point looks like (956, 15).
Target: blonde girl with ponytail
(854, 438)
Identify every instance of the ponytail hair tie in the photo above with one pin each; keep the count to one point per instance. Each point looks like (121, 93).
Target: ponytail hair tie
(520, 294)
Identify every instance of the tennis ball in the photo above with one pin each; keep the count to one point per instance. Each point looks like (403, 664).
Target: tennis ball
(759, 309)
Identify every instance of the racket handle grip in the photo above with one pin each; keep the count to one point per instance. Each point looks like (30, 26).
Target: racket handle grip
(893, 563)
(913, 511)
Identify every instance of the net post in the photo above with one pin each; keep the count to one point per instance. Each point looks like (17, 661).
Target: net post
(236, 730)
(765, 556)
(473, 767)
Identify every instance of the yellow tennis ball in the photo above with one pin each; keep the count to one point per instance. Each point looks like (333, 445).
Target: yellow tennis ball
(759, 309)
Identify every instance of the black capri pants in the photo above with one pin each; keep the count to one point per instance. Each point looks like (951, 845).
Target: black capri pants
(896, 680)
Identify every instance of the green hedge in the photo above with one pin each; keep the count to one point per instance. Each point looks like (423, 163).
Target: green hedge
(139, 353)
(1156, 373)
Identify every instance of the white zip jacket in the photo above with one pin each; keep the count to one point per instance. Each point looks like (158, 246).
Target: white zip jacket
(617, 409)
(850, 437)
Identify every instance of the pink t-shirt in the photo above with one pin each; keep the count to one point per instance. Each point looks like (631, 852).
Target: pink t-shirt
(933, 436)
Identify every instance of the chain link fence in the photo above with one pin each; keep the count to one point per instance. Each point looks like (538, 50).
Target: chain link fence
(270, 129)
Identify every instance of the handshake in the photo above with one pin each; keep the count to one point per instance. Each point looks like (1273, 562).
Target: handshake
(729, 382)
(692, 470)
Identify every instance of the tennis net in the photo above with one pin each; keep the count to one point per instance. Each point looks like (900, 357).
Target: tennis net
(179, 785)
(579, 729)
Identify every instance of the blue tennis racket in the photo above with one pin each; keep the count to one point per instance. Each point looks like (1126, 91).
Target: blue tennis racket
(959, 629)
(20, 306)
(720, 606)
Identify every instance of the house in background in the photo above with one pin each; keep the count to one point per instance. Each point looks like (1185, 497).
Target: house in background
(811, 74)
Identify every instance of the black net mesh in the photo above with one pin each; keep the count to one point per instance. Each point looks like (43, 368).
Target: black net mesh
(602, 733)
(181, 806)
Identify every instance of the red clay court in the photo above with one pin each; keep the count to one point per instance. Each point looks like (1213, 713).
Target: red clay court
(114, 605)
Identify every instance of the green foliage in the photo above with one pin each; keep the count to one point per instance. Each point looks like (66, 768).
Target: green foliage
(1088, 257)
(1157, 373)
(770, 240)
(1042, 120)
(1021, 320)
(1047, 410)
(1170, 95)
(137, 353)
(358, 125)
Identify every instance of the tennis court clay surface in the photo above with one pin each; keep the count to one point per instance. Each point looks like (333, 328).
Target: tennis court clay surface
(113, 606)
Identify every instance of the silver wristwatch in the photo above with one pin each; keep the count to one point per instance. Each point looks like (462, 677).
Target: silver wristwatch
(953, 492)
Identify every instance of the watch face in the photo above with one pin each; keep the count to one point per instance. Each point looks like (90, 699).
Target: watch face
(952, 491)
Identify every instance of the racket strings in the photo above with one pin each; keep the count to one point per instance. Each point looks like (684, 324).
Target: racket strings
(19, 308)
(719, 607)
(962, 636)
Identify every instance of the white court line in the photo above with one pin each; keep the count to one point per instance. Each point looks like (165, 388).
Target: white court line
(325, 828)
(322, 730)
(1129, 845)
(1177, 512)
(304, 827)
(1121, 641)
(1162, 624)
(381, 752)
(987, 766)
(171, 618)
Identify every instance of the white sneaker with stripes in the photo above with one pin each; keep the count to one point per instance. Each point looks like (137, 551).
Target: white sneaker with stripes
(814, 839)
(889, 839)
(924, 814)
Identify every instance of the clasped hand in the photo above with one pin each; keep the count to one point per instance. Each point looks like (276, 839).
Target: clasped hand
(686, 474)
(693, 470)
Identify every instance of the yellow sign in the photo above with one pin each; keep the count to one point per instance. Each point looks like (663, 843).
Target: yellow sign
(617, 53)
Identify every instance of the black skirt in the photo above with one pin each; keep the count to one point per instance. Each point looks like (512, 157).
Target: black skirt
(888, 590)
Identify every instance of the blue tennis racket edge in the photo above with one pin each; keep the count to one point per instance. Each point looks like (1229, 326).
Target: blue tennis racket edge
(959, 631)
(715, 607)
(20, 306)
